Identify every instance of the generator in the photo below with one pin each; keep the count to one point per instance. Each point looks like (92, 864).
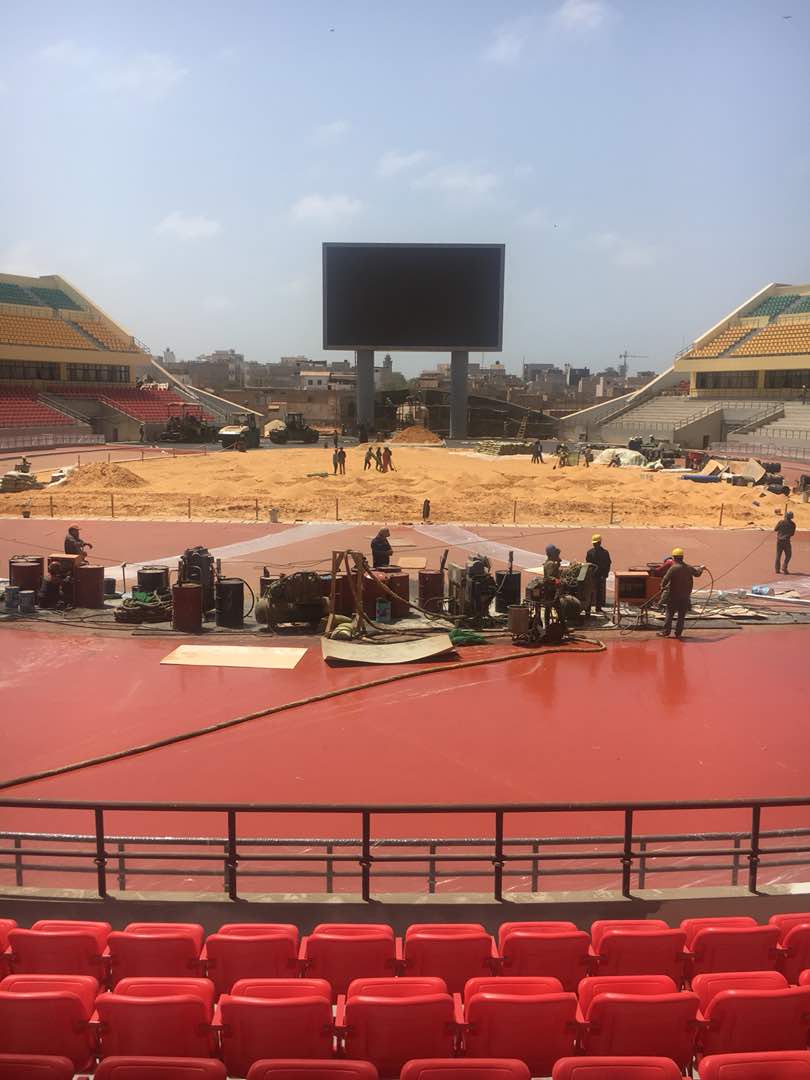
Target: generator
(197, 566)
(293, 599)
(471, 589)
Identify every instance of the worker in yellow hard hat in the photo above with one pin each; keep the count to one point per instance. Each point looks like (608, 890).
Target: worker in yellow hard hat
(599, 558)
(677, 586)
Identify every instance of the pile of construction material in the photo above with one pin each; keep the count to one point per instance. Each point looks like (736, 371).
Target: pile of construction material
(744, 474)
(19, 481)
(417, 435)
(499, 448)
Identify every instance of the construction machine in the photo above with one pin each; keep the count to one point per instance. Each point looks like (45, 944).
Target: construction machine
(295, 430)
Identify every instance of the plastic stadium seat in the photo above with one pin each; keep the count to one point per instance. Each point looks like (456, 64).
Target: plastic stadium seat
(638, 947)
(465, 1069)
(387, 1027)
(35, 1067)
(159, 1068)
(74, 951)
(43, 1014)
(341, 952)
(268, 1018)
(616, 1068)
(250, 951)
(556, 949)
(794, 943)
(5, 926)
(531, 1019)
(296, 1069)
(744, 1020)
(753, 948)
(777, 1065)
(157, 1017)
(155, 949)
(712, 983)
(638, 1015)
(725, 922)
(454, 952)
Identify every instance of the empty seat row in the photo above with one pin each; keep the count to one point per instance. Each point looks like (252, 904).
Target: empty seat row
(31, 330)
(720, 342)
(341, 952)
(387, 1021)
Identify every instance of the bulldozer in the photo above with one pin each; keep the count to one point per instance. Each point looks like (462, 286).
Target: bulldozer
(295, 430)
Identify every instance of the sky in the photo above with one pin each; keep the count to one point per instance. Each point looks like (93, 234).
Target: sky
(646, 163)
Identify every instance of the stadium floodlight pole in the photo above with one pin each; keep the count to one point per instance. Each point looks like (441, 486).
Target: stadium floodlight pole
(459, 366)
(365, 387)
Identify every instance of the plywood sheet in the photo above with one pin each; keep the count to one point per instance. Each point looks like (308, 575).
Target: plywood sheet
(351, 652)
(246, 656)
(412, 562)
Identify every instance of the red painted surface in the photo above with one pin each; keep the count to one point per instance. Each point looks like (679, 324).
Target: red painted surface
(645, 720)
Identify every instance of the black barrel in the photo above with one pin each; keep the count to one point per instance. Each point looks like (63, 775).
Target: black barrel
(153, 579)
(230, 603)
(508, 585)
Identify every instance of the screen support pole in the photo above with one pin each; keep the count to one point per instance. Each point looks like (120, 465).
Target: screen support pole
(365, 387)
(459, 362)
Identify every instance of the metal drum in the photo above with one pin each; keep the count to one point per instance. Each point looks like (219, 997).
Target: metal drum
(519, 619)
(230, 603)
(12, 597)
(187, 608)
(88, 587)
(431, 590)
(26, 571)
(153, 579)
(398, 582)
(508, 585)
(27, 601)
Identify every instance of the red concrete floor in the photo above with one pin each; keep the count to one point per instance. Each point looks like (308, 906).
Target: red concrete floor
(645, 720)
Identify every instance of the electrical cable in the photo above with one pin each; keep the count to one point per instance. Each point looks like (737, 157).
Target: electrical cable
(273, 710)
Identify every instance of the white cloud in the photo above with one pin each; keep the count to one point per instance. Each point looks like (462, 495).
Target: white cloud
(623, 250)
(458, 180)
(393, 162)
(506, 46)
(325, 209)
(188, 226)
(148, 75)
(581, 14)
(328, 134)
(20, 258)
(68, 52)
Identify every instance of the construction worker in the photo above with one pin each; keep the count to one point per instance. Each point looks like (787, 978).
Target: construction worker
(677, 583)
(537, 453)
(74, 545)
(367, 460)
(341, 456)
(381, 549)
(54, 588)
(335, 462)
(378, 458)
(387, 463)
(552, 586)
(599, 558)
(587, 456)
(784, 530)
(24, 466)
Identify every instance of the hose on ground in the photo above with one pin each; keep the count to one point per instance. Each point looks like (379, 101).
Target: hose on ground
(328, 695)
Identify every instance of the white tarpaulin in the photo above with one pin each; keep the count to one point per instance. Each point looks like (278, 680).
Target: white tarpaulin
(626, 457)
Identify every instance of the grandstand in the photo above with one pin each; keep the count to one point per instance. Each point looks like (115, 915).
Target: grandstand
(69, 374)
(748, 379)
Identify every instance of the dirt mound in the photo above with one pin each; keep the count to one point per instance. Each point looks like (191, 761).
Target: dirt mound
(103, 476)
(417, 434)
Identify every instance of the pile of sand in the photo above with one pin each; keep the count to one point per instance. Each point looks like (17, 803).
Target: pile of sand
(417, 434)
(103, 476)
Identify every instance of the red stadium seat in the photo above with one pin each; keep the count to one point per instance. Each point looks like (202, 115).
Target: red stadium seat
(269, 1018)
(43, 1014)
(712, 983)
(531, 1019)
(296, 1069)
(454, 952)
(35, 1067)
(76, 951)
(638, 1015)
(794, 943)
(465, 1069)
(155, 949)
(157, 1017)
(616, 1068)
(776, 1065)
(637, 947)
(555, 949)
(341, 952)
(5, 926)
(250, 951)
(724, 922)
(159, 1068)
(753, 948)
(387, 1027)
(742, 1020)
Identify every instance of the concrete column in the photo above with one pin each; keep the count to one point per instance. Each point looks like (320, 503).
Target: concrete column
(365, 387)
(459, 363)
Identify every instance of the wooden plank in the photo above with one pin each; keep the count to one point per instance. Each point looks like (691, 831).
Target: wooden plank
(238, 656)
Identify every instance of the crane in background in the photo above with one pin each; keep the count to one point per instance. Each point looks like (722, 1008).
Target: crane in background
(624, 357)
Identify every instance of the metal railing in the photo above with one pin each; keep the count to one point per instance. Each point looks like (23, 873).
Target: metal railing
(769, 451)
(34, 442)
(627, 856)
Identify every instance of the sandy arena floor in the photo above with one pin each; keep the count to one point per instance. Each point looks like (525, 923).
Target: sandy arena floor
(463, 486)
